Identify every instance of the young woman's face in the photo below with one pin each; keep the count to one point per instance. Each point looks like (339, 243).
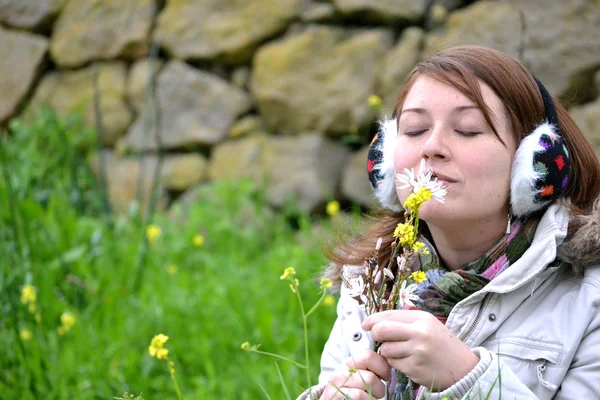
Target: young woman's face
(442, 125)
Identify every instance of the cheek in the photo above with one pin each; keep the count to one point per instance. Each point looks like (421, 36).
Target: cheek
(490, 174)
(405, 156)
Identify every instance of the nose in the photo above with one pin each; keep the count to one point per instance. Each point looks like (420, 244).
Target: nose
(436, 146)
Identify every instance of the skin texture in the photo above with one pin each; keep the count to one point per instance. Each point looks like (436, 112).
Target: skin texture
(368, 367)
(443, 126)
(434, 124)
(418, 344)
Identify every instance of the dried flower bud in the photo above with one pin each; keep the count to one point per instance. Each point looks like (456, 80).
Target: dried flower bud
(401, 263)
(388, 274)
(377, 278)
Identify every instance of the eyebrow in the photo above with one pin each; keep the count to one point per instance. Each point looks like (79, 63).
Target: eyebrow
(455, 110)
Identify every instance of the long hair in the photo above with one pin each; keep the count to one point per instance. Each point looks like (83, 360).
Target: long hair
(464, 68)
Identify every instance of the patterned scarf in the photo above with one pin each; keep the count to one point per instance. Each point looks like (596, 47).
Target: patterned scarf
(443, 289)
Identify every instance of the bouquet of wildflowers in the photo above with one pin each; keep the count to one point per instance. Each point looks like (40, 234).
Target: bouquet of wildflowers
(377, 287)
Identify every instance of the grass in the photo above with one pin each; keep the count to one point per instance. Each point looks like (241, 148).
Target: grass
(57, 234)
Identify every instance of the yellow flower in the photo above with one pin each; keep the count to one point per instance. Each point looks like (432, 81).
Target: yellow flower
(289, 271)
(25, 335)
(420, 196)
(37, 317)
(406, 234)
(157, 347)
(325, 283)
(374, 102)
(333, 208)
(152, 233)
(245, 346)
(328, 300)
(198, 240)
(67, 320)
(418, 276)
(28, 294)
(419, 247)
(172, 269)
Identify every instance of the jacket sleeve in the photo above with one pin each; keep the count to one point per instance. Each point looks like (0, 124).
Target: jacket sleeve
(337, 347)
(333, 354)
(335, 350)
(483, 383)
(582, 380)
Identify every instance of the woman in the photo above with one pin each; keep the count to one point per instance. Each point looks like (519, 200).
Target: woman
(513, 269)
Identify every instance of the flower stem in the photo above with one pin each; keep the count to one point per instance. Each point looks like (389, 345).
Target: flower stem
(174, 379)
(306, 359)
(317, 303)
(266, 353)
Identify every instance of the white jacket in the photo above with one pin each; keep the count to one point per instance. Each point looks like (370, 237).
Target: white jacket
(538, 327)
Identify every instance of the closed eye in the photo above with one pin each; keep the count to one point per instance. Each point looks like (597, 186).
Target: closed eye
(415, 133)
(467, 133)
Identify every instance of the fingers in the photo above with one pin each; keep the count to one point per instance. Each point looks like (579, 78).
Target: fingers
(358, 382)
(391, 331)
(392, 351)
(405, 316)
(341, 393)
(370, 361)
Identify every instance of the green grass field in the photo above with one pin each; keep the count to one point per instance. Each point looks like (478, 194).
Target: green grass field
(57, 234)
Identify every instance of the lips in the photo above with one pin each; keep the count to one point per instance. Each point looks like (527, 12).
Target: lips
(444, 178)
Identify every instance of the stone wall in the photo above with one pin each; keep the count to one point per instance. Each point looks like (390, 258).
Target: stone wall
(274, 90)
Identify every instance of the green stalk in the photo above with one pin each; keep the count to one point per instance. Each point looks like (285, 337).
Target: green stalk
(317, 303)
(266, 353)
(174, 379)
(305, 326)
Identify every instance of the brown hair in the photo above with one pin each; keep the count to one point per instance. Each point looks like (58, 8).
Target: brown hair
(464, 67)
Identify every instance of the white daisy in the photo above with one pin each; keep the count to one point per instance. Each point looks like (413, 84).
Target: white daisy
(423, 179)
(406, 295)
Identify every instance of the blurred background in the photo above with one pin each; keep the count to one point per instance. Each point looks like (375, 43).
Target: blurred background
(163, 162)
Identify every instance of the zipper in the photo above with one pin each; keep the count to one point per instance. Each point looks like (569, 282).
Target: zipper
(477, 318)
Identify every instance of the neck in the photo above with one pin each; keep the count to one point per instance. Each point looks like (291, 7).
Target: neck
(457, 246)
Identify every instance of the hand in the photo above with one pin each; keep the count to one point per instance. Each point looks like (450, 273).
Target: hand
(419, 345)
(367, 368)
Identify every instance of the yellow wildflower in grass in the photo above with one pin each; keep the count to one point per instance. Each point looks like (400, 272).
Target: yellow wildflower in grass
(375, 102)
(420, 196)
(152, 233)
(294, 285)
(157, 347)
(198, 240)
(406, 233)
(67, 320)
(333, 208)
(37, 317)
(289, 271)
(325, 284)
(328, 300)
(245, 346)
(172, 269)
(28, 294)
(25, 335)
(418, 276)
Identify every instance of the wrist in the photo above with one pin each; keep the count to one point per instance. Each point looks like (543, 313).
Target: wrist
(457, 372)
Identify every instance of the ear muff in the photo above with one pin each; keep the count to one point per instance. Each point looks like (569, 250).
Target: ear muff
(540, 170)
(541, 167)
(380, 165)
